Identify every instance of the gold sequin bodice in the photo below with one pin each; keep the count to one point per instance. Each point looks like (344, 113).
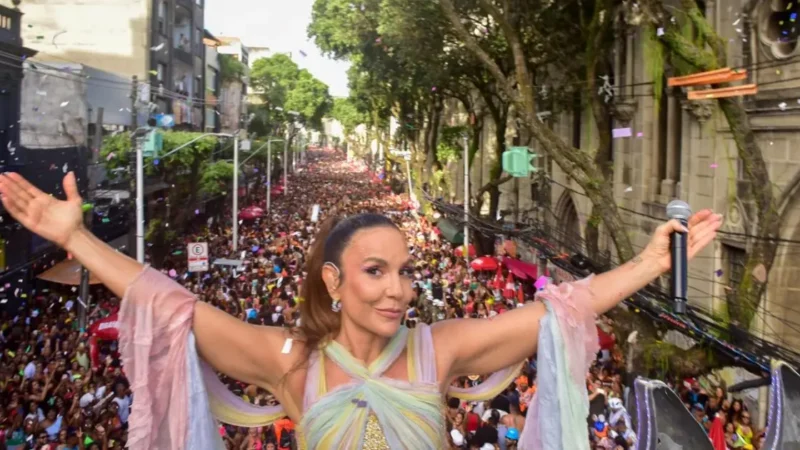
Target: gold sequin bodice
(374, 438)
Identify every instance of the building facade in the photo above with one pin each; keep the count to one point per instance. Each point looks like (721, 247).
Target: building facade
(684, 149)
(158, 41)
(213, 84)
(233, 104)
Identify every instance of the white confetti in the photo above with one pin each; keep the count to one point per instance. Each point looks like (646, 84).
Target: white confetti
(65, 168)
(157, 47)
(42, 93)
(660, 32)
(74, 289)
(629, 189)
(737, 22)
(63, 104)
(782, 106)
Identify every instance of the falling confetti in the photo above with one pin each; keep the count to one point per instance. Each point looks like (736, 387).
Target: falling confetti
(65, 168)
(660, 32)
(157, 47)
(639, 134)
(196, 212)
(42, 93)
(621, 133)
(155, 162)
(737, 22)
(110, 156)
(63, 104)
(713, 165)
(718, 272)
(629, 189)
(303, 54)
(433, 89)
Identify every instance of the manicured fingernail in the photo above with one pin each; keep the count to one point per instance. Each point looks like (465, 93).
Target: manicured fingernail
(685, 229)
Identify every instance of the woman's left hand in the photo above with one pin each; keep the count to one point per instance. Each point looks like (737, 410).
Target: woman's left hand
(703, 227)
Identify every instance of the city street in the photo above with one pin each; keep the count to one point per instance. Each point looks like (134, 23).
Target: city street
(399, 224)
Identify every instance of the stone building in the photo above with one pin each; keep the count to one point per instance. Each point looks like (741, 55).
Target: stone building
(685, 150)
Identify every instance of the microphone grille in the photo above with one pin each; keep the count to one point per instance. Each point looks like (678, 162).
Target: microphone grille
(678, 209)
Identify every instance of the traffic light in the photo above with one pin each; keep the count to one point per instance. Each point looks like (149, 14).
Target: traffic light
(153, 143)
(517, 162)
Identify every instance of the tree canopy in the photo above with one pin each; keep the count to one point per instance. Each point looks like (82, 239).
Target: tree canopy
(283, 87)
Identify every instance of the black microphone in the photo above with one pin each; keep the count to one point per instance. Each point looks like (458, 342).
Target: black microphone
(680, 210)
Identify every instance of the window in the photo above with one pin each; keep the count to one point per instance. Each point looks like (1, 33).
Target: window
(198, 87)
(736, 259)
(198, 42)
(780, 31)
(211, 79)
(162, 17)
(161, 72)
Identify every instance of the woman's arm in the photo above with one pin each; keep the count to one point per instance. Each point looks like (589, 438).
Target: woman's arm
(223, 341)
(466, 347)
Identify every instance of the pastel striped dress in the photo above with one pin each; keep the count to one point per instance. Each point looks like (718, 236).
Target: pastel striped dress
(177, 397)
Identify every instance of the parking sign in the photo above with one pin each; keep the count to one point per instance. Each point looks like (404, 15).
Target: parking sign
(197, 253)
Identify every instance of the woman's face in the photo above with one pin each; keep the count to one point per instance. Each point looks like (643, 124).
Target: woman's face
(737, 406)
(459, 419)
(376, 288)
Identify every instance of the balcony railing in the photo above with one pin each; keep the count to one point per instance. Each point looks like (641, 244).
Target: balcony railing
(184, 56)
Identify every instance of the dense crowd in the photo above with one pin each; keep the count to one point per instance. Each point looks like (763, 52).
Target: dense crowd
(55, 397)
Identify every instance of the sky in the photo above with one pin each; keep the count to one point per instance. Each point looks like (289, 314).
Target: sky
(281, 26)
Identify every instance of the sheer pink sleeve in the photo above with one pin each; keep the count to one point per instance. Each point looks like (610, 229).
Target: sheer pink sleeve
(571, 303)
(155, 319)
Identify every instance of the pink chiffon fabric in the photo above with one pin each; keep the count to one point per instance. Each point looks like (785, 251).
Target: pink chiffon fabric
(560, 406)
(153, 349)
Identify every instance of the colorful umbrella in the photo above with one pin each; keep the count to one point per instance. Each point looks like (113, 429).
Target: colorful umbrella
(483, 264)
(460, 251)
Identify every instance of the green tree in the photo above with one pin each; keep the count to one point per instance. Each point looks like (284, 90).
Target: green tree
(184, 171)
(284, 88)
(230, 68)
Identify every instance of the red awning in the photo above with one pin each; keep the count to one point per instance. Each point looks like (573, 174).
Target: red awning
(521, 269)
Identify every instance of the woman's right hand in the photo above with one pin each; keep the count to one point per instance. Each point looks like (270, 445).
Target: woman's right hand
(53, 219)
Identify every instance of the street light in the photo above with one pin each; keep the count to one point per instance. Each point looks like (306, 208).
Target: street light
(268, 144)
(269, 172)
(140, 183)
(286, 153)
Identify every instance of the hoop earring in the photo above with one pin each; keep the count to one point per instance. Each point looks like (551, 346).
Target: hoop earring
(336, 306)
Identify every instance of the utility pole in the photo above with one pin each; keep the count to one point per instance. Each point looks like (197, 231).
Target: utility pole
(136, 218)
(286, 163)
(466, 199)
(269, 174)
(236, 192)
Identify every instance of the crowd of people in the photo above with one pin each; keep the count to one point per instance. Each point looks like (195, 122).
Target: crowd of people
(56, 397)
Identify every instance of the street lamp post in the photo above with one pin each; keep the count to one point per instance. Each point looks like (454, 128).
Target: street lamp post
(285, 165)
(140, 186)
(269, 172)
(466, 199)
(235, 244)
